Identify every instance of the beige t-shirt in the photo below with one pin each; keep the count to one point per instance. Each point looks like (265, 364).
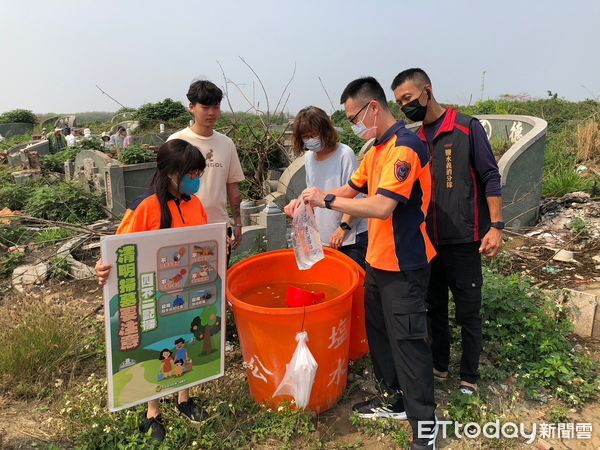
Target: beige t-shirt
(222, 167)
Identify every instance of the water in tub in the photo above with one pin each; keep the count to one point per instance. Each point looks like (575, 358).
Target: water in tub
(273, 294)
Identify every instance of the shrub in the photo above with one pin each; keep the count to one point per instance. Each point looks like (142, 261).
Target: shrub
(164, 111)
(136, 154)
(259, 142)
(15, 196)
(91, 144)
(5, 176)
(66, 202)
(18, 116)
(56, 162)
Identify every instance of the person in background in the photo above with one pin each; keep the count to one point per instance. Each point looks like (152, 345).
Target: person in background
(128, 141)
(71, 138)
(57, 141)
(87, 134)
(170, 203)
(106, 143)
(221, 181)
(117, 139)
(464, 221)
(328, 164)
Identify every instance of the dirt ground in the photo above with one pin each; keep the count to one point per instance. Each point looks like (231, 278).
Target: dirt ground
(36, 424)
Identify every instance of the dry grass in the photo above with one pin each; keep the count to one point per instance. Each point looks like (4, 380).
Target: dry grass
(42, 345)
(588, 141)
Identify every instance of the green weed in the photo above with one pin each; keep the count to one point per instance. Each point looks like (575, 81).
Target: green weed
(10, 262)
(50, 236)
(398, 431)
(558, 414)
(527, 334)
(59, 268)
(14, 234)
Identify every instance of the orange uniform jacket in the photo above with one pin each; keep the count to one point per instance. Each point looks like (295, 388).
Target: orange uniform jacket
(144, 213)
(397, 166)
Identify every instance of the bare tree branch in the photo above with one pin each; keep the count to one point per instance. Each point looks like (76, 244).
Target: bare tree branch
(328, 97)
(284, 91)
(227, 93)
(261, 85)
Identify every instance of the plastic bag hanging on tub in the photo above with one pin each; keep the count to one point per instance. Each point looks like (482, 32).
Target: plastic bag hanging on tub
(305, 237)
(299, 373)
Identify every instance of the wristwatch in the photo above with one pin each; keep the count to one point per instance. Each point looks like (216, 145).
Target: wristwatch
(498, 225)
(328, 199)
(345, 226)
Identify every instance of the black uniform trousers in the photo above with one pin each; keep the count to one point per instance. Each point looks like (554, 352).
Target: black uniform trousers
(458, 268)
(396, 323)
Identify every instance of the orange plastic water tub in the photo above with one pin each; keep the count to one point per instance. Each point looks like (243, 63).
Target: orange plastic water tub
(267, 333)
(359, 345)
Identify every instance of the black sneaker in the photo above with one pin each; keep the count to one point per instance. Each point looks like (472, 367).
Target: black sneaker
(190, 411)
(378, 409)
(156, 427)
(428, 440)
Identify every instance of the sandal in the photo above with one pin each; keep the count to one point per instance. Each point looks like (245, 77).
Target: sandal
(440, 376)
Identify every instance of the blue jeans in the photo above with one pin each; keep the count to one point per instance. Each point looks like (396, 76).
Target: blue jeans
(358, 250)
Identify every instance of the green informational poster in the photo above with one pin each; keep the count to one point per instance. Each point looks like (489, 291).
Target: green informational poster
(164, 311)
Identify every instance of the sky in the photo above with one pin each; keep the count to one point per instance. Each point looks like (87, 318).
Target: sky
(54, 53)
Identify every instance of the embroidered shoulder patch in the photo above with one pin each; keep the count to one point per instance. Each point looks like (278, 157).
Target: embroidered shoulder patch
(401, 170)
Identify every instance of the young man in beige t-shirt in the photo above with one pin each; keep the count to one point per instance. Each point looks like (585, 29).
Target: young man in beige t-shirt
(223, 173)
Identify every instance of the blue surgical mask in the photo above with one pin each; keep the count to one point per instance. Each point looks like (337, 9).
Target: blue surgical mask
(189, 186)
(313, 144)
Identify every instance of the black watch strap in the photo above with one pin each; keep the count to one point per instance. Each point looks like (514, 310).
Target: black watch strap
(498, 225)
(328, 199)
(345, 226)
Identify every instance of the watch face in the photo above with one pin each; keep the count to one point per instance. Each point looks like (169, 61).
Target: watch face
(329, 197)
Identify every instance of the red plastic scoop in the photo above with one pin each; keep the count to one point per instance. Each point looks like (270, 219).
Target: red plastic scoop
(299, 297)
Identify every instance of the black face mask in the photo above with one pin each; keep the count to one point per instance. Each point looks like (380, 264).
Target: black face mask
(414, 110)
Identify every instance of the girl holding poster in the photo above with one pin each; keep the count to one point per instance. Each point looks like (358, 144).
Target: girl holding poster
(170, 203)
